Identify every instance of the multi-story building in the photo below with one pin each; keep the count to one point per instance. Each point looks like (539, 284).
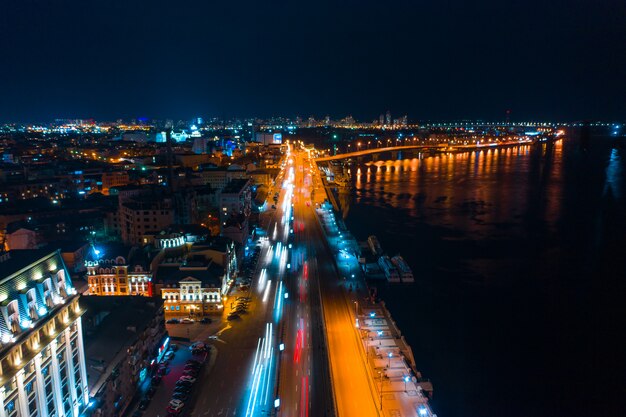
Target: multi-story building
(42, 359)
(125, 338)
(114, 179)
(192, 298)
(118, 270)
(235, 199)
(141, 217)
(220, 177)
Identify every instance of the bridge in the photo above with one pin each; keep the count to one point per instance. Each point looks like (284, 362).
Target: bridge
(423, 148)
(381, 150)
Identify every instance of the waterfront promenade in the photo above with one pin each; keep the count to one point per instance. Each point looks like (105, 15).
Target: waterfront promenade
(372, 368)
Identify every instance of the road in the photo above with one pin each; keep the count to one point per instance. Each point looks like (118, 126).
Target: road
(353, 394)
(297, 304)
(242, 380)
(304, 374)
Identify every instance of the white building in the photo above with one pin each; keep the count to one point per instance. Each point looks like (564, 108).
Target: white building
(42, 359)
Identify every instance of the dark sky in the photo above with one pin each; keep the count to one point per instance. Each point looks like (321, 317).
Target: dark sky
(430, 59)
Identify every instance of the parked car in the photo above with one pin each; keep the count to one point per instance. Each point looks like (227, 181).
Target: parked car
(187, 320)
(192, 361)
(173, 321)
(188, 378)
(174, 347)
(196, 345)
(169, 355)
(182, 396)
(183, 383)
(206, 320)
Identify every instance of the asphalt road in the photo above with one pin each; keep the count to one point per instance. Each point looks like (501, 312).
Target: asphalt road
(242, 381)
(304, 375)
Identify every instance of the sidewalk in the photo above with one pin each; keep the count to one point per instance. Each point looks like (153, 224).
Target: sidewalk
(401, 391)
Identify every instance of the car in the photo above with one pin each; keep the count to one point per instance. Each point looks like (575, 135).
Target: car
(174, 347)
(192, 366)
(213, 337)
(173, 321)
(196, 345)
(206, 320)
(191, 372)
(232, 316)
(184, 383)
(187, 320)
(169, 355)
(192, 361)
(182, 396)
(188, 378)
(175, 409)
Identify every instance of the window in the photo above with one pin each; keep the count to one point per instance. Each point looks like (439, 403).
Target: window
(32, 304)
(14, 316)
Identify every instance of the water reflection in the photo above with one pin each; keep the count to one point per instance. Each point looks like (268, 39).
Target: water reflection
(486, 187)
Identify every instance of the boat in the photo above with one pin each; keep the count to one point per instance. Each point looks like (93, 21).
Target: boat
(390, 271)
(374, 245)
(406, 275)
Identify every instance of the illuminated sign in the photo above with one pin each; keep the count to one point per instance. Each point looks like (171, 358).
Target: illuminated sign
(278, 138)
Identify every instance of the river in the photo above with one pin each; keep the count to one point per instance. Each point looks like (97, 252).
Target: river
(520, 257)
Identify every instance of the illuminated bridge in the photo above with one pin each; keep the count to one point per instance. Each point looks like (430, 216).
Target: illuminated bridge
(395, 150)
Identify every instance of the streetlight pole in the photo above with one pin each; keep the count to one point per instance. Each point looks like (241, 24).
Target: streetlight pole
(389, 355)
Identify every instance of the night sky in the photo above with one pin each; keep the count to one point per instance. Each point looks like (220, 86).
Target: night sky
(544, 60)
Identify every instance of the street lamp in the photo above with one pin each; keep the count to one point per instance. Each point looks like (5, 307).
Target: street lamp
(389, 355)
(406, 379)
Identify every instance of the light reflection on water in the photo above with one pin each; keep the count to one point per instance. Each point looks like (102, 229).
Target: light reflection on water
(520, 271)
(472, 191)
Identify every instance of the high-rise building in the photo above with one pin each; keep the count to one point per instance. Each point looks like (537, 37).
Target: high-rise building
(388, 118)
(42, 358)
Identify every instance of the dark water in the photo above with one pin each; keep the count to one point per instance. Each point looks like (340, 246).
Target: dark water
(519, 308)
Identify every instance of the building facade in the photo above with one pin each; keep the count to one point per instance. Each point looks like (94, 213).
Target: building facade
(139, 218)
(117, 277)
(192, 299)
(42, 359)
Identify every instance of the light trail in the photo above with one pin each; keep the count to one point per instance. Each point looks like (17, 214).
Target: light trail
(262, 279)
(261, 372)
(278, 301)
(266, 293)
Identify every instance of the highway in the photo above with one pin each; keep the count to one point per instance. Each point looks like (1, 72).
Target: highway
(352, 391)
(304, 376)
